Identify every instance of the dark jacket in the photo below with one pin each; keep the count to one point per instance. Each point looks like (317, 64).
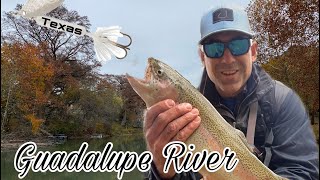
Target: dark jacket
(282, 126)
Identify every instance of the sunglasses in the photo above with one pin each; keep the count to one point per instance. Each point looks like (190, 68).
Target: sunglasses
(237, 47)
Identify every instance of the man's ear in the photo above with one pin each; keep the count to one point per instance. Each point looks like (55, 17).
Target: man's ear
(201, 55)
(254, 51)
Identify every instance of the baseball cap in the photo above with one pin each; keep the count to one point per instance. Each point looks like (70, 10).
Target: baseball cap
(218, 19)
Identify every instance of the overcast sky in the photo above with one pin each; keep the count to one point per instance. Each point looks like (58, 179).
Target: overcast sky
(165, 29)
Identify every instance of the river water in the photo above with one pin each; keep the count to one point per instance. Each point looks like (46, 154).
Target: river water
(123, 143)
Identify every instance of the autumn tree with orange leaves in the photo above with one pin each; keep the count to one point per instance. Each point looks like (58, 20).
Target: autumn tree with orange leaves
(280, 24)
(25, 78)
(51, 77)
(287, 32)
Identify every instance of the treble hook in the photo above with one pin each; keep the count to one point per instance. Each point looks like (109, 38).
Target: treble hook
(124, 47)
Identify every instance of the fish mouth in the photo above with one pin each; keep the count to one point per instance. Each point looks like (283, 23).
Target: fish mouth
(133, 81)
(148, 77)
(145, 88)
(148, 73)
(154, 87)
(141, 87)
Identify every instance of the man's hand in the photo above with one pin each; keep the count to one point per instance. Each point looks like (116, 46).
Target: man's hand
(165, 122)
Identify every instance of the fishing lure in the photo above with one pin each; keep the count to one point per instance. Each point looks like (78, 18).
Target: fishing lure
(105, 38)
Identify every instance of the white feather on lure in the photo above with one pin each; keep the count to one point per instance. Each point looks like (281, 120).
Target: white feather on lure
(105, 43)
(33, 8)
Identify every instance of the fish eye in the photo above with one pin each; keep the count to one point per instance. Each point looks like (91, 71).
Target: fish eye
(160, 71)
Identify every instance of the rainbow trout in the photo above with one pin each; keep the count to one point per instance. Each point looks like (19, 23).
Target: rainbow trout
(214, 133)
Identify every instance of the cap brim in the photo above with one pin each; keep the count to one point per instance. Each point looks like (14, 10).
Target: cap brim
(225, 30)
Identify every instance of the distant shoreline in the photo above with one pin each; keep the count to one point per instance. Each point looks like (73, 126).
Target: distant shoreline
(9, 143)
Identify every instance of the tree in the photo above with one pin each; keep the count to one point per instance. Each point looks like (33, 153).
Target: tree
(280, 24)
(24, 79)
(288, 35)
(300, 74)
(72, 56)
(56, 45)
(93, 112)
(71, 60)
(56, 72)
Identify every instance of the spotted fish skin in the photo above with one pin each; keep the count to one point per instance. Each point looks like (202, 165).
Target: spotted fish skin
(214, 133)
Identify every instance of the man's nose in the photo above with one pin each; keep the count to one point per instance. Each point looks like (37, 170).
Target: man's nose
(227, 57)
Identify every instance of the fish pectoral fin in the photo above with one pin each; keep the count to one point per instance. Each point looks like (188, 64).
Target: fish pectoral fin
(244, 140)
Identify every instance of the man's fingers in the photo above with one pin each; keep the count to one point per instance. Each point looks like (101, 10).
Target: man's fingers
(171, 118)
(187, 131)
(155, 110)
(163, 122)
(178, 124)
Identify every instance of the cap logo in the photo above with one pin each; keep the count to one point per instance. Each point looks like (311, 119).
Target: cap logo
(222, 14)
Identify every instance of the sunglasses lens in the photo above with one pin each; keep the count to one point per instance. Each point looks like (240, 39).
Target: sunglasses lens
(239, 47)
(214, 50)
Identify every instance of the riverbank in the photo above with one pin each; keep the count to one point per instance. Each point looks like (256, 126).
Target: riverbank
(13, 144)
(13, 141)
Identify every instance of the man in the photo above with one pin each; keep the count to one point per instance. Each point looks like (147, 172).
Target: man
(283, 137)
